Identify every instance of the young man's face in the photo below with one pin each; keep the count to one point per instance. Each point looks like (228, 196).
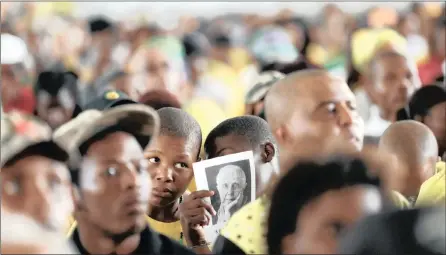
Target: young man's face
(394, 83)
(55, 109)
(326, 113)
(170, 166)
(115, 184)
(321, 222)
(39, 187)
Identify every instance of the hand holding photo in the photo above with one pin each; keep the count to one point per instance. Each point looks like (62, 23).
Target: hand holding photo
(232, 179)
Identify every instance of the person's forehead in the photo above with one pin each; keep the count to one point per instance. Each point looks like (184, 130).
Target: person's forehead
(114, 145)
(173, 145)
(231, 140)
(393, 62)
(28, 166)
(324, 89)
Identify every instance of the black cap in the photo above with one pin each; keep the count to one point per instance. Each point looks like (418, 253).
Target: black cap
(415, 231)
(109, 99)
(53, 81)
(99, 24)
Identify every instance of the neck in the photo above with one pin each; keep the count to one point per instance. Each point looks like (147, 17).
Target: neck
(388, 115)
(168, 213)
(96, 241)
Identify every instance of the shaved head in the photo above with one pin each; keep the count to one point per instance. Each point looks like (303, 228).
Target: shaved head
(411, 140)
(415, 145)
(309, 109)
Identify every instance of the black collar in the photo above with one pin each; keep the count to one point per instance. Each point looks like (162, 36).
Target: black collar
(150, 243)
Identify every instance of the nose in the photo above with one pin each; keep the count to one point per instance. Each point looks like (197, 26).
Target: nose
(163, 173)
(345, 116)
(38, 205)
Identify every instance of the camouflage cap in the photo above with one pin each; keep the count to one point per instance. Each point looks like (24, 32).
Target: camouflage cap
(139, 120)
(21, 133)
(262, 85)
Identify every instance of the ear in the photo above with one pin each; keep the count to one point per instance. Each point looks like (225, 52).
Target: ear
(267, 152)
(281, 134)
(430, 166)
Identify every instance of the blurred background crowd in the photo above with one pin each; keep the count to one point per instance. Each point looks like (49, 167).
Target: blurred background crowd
(206, 65)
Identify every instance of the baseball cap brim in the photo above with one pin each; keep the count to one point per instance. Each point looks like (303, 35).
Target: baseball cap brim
(48, 149)
(139, 120)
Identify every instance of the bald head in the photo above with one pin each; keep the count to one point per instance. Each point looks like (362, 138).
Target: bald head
(308, 110)
(410, 140)
(231, 173)
(283, 97)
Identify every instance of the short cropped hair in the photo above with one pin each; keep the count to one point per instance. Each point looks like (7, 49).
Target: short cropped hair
(305, 182)
(178, 123)
(254, 128)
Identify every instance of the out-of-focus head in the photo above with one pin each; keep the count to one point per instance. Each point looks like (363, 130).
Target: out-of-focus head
(392, 79)
(309, 110)
(316, 201)
(158, 99)
(440, 37)
(246, 133)
(109, 99)
(428, 105)
(16, 63)
(35, 180)
(111, 172)
(415, 145)
(33, 240)
(256, 95)
(56, 93)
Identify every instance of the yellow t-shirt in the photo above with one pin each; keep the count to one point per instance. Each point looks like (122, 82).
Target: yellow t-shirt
(433, 191)
(400, 201)
(247, 227)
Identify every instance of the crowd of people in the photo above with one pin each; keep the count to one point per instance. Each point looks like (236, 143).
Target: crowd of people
(102, 121)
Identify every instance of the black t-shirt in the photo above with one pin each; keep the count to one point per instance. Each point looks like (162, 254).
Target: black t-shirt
(151, 243)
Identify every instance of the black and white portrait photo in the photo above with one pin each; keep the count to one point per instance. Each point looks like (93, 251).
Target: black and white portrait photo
(232, 178)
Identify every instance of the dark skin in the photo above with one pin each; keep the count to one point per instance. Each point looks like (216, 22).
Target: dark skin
(436, 121)
(113, 195)
(55, 109)
(39, 187)
(392, 83)
(171, 160)
(232, 144)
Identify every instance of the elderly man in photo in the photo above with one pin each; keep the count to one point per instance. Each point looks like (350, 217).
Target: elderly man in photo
(231, 183)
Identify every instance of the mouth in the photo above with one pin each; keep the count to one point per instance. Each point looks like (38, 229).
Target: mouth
(162, 193)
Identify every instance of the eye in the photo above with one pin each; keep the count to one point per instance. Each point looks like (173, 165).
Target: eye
(154, 160)
(111, 171)
(54, 182)
(181, 165)
(331, 108)
(13, 187)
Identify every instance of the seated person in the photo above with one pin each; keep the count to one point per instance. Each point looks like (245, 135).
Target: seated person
(114, 185)
(170, 156)
(415, 145)
(35, 179)
(415, 231)
(428, 106)
(299, 222)
(239, 134)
